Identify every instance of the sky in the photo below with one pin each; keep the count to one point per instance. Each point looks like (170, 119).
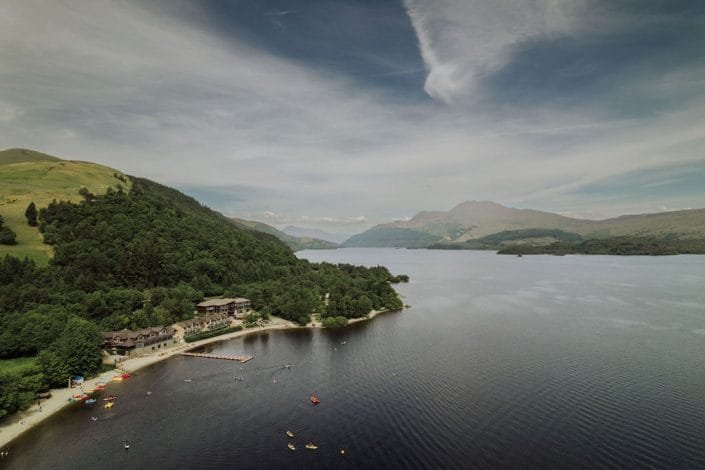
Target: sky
(343, 114)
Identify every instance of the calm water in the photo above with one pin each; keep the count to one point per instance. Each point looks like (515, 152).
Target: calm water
(508, 362)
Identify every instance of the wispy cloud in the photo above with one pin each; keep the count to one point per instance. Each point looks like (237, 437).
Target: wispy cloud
(159, 93)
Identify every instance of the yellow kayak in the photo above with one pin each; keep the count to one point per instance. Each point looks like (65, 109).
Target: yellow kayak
(109, 404)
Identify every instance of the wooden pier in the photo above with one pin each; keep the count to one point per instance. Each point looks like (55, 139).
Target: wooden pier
(226, 357)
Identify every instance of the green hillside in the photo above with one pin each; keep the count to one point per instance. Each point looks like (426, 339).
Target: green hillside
(27, 176)
(295, 243)
(143, 256)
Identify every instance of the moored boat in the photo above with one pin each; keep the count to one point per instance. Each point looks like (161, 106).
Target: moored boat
(290, 434)
(315, 400)
(291, 446)
(109, 404)
(110, 398)
(311, 446)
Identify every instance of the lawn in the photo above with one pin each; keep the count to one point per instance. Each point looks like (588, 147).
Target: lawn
(16, 365)
(41, 182)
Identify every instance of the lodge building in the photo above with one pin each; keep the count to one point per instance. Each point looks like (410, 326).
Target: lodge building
(134, 343)
(237, 307)
(202, 324)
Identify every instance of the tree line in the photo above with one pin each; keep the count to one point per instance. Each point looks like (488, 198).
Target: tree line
(144, 258)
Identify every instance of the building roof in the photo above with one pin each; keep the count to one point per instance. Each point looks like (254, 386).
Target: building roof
(220, 302)
(129, 335)
(204, 319)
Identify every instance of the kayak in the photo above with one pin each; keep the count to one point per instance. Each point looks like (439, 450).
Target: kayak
(109, 404)
(311, 446)
(90, 401)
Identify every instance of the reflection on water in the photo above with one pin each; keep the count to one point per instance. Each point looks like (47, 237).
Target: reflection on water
(501, 362)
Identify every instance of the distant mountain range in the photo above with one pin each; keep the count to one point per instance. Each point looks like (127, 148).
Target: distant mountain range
(315, 233)
(296, 243)
(471, 221)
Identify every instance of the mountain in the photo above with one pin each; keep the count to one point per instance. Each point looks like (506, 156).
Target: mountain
(473, 220)
(29, 176)
(135, 253)
(296, 243)
(315, 233)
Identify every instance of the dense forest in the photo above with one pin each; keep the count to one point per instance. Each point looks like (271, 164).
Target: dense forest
(144, 258)
(613, 246)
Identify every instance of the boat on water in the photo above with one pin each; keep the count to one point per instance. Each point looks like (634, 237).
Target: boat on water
(291, 446)
(110, 398)
(290, 434)
(315, 400)
(90, 401)
(311, 446)
(127, 445)
(125, 375)
(188, 381)
(109, 404)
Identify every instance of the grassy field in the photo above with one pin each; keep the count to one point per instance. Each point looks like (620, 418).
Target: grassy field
(27, 176)
(16, 365)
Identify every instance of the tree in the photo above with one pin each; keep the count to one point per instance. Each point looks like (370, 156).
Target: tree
(7, 236)
(76, 352)
(31, 214)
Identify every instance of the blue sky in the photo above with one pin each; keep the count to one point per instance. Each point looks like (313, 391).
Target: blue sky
(343, 114)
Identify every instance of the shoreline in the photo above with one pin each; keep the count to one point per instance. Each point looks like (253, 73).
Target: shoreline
(20, 422)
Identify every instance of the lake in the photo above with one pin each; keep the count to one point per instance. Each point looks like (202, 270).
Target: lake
(501, 362)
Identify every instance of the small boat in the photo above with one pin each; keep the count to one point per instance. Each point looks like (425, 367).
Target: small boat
(315, 400)
(311, 446)
(149, 393)
(78, 395)
(93, 418)
(110, 398)
(291, 446)
(90, 401)
(188, 381)
(117, 378)
(109, 404)
(125, 375)
(127, 445)
(290, 434)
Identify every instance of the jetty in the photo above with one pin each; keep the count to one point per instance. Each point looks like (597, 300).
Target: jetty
(226, 357)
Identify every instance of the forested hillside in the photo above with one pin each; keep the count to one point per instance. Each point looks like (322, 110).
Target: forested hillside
(145, 257)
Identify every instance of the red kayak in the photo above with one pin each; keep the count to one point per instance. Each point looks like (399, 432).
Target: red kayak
(125, 375)
(315, 400)
(110, 398)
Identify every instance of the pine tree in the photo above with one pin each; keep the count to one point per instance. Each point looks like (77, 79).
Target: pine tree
(31, 214)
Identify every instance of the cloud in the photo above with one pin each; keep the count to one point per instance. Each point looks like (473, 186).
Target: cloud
(462, 41)
(154, 90)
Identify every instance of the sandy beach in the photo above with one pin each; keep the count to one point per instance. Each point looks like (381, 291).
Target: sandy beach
(23, 421)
